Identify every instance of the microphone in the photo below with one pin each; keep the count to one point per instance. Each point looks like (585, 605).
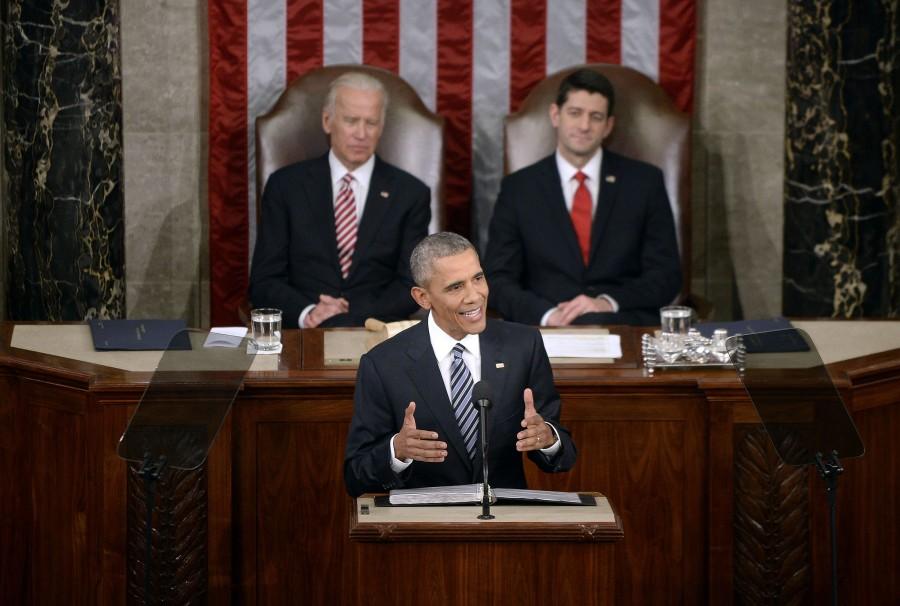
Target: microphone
(482, 394)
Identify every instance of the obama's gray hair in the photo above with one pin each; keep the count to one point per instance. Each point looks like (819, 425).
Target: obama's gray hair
(358, 81)
(433, 247)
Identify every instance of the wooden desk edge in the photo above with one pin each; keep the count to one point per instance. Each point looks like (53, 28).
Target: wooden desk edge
(483, 531)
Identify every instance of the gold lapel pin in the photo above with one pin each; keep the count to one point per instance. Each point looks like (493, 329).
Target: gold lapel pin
(610, 178)
(500, 365)
(384, 194)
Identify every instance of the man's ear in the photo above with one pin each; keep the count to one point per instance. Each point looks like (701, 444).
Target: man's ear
(610, 123)
(420, 295)
(326, 122)
(554, 115)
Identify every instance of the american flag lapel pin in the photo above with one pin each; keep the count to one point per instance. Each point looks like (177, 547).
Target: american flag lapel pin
(500, 365)
(384, 194)
(610, 178)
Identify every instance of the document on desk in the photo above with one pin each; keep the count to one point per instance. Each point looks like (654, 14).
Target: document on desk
(225, 336)
(472, 493)
(582, 346)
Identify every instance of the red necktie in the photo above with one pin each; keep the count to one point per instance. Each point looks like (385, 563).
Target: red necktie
(581, 216)
(345, 224)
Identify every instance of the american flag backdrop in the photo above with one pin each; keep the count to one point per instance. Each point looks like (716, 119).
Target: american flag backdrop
(472, 61)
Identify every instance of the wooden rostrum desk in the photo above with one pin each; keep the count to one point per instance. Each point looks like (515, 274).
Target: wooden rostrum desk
(708, 513)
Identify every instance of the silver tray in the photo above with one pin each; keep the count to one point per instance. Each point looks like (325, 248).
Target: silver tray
(652, 359)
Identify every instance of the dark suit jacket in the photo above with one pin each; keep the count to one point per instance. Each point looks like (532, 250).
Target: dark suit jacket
(533, 261)
(403, 369)
(296, 258)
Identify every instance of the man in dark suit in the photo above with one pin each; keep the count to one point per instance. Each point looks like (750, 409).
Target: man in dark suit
(413, 423)
(584, 236)
(337, 231)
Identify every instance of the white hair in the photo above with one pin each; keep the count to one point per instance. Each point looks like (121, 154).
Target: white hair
(357, 81)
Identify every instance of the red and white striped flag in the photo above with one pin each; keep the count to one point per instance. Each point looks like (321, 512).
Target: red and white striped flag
(472, 61)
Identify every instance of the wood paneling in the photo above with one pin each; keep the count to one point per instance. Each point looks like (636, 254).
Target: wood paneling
(472, 574)
(15, 570)
(663, 448)
(58, 542)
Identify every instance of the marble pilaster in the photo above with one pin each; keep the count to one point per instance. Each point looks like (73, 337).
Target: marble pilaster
(842, 169)
(737, 158)
(63, 155)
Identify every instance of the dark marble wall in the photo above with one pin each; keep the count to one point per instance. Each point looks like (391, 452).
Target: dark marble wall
(62, 150)
(842, 166)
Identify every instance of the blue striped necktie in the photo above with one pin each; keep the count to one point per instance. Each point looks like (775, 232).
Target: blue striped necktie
(461, 399)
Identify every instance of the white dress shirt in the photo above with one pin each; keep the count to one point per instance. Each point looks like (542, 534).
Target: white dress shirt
(442, 344)
(569, 186)
(362, 178)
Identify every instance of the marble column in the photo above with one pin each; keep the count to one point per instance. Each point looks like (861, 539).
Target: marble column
(63, 155)
(842, 168)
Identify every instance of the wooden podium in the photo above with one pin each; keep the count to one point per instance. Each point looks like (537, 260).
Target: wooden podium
(528, 554)
(680, 454)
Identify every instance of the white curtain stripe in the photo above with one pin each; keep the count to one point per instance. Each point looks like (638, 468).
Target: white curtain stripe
(266, 70)
(640, 36)
(343, 23)
(490, 103)
(566, 32)
(418, 48)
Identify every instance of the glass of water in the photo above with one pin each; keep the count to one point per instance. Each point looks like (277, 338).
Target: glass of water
(675, 319)
(675, 322)
(266, 328)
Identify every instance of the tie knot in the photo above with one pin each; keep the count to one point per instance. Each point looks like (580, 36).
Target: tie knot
(347, 179)
(580, 177)
(458, 350)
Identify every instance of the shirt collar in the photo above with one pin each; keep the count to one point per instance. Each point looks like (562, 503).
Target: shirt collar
(443, 344)
(591, 169)
(362, 174)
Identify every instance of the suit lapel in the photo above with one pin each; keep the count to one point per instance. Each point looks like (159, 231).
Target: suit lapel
(378, 201)
(608, 194)
(560, 222)
(321, 201)
(426, 376)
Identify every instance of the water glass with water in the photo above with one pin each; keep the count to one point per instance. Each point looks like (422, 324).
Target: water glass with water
(266, 328)
(675, 322)
(675, 319)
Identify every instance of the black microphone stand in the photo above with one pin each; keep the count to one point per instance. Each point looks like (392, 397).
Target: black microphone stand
(486, 489)
(481, 399)
(829, 469)
(151, 471)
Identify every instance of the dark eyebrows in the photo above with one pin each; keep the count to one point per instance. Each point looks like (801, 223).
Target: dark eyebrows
(453, 285)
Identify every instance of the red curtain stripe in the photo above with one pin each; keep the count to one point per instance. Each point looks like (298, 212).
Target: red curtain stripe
(381, 34)
(527, 49)
(227, 165)
(454, 102)
(304, 35)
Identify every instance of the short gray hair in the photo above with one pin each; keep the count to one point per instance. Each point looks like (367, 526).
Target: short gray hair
(431, 248)
(358, 81)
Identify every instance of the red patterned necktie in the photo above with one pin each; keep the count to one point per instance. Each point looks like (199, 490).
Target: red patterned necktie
(581, 216)
(345, 223)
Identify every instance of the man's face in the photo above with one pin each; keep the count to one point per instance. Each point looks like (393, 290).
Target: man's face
(582, 123)
(456, 294)
(355, 125)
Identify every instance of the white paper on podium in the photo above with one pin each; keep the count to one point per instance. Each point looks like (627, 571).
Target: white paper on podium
(582, 346)
(225, 336)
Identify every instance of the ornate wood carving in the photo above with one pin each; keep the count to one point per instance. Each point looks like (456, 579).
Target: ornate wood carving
(179, 564)
(771, 524)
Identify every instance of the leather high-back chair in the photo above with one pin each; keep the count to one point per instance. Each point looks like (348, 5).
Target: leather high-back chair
(648, 127)
(412, 139)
